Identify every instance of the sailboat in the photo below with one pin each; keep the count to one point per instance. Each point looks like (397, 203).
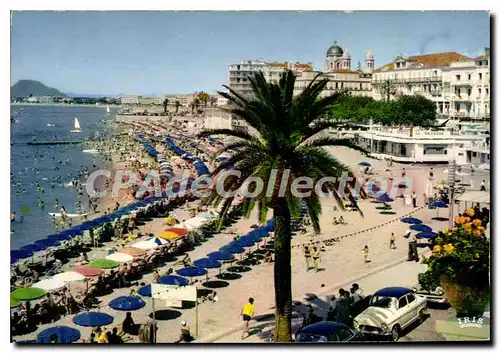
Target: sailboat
(76, 127)
(108, 110)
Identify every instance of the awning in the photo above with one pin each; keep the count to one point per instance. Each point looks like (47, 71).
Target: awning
(475, 196)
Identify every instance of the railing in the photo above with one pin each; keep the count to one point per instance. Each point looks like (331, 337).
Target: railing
(408, 80)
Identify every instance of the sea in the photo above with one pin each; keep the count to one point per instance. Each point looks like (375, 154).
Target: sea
(44, 172)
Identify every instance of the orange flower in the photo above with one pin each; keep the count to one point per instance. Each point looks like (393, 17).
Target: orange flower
(476, 222)
(477, 233)
(469, 212)
(460, 220)
(436, 249)
(467, 226)
(448, 248)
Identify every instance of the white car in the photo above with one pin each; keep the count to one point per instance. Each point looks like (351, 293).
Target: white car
(391, 310)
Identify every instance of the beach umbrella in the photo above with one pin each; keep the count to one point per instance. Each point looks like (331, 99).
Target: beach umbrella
(426, 235)
(438, 205)
(49, 284)
(145, 291)
(27, 293)
(64, 334)
(104, 263)
(173, 280)
(60, 237)
(31, 248)
(191, 271)
(384, 198)
(244, 242)
(256, 237)
(365, 164)
(270, 225)
(19, 254)
(14, 303)
(133, 251)
(170, 220)
(232, 249)
(220, 256)
(88, 271)
(146, 244)
(69, 276)
(120, 257)
(127, 303)
(421, 228)
(177, 230)
(411, 220)
(93, 319)
(45, 243)
(207, 262)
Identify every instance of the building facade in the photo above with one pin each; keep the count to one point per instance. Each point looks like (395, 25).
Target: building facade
(129, 99)
(458, 85)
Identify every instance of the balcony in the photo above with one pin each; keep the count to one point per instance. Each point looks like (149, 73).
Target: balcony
(462, 98)
(409, 80)
(462, 83)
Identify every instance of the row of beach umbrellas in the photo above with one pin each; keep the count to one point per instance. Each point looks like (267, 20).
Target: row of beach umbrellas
(200, 167)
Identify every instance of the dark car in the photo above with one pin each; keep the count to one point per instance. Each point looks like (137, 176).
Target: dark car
(328, 331)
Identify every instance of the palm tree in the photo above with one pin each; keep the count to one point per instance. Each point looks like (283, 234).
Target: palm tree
(388, 89)
(165, 105)
(177, 105)
(286, 138)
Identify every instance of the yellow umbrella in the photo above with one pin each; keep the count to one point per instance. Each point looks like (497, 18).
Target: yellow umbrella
(170, 220)
(168, 235)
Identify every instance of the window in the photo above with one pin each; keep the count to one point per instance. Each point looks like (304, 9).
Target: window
(411, 298)
(479, 90)
(360, 86)
(402, 302)
(344, 334)
(487, 91)
(336, 85)
(458, 77)
(469, 76)
(480, 76)
(341, 84)
(474, 154)
(331, 66)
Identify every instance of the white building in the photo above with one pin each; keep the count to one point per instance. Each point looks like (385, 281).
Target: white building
(239, 73)
(221, 101)
(459, 85)
(129, 99)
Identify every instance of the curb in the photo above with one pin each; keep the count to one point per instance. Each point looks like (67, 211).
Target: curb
(214, 337)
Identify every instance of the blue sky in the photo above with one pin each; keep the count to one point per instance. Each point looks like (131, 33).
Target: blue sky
(179, 52)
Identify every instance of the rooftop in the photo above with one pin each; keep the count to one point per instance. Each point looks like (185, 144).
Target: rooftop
(431, 60)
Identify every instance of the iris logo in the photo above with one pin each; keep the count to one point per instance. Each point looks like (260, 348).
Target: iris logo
(464, 322)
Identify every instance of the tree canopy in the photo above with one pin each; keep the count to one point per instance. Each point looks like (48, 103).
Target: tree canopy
(405, 110)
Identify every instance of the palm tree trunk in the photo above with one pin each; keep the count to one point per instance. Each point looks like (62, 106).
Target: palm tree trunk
(282, 273)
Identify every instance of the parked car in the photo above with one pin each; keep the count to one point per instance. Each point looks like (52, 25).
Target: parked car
(435, 296)
(391, 310)
(328, 331)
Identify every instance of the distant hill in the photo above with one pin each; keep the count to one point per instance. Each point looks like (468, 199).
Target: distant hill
(23, 88)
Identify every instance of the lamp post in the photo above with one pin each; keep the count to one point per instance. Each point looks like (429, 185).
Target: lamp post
(451, 191)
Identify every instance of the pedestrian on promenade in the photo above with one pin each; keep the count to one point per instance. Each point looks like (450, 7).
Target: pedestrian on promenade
(412, 247)
(414, 198)
(431, 174)
(316, 258)
(392, 244)
(403, 173)
(365, 253)
(483, 185)
(247, 312)
(307, 255)
(471, 169)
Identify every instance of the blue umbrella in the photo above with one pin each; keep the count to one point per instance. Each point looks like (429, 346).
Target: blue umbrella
(127, 303)
(256, 237)
(207, 262)
(232, 249)
(145, 291)
(384, 198)
(427, 235)
(270, 225)
(191, 271)
(220, 256)
(438, 204)
(365, 164)
(421, 228)
(411, 220)
(64, 334)
(93, 319)
(19, 254)
(173, 280)
(245, 242)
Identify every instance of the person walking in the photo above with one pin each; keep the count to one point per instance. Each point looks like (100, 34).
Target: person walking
(483, 185)
(316, 258)
(412, 247)
(414, 198)
(365, 253)
(392, 241)
(307, 255)
(472, 169)
(247, 312)
(403, 173)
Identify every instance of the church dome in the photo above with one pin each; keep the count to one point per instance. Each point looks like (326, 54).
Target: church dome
(346, 55)
(334, 50)
(369, 55)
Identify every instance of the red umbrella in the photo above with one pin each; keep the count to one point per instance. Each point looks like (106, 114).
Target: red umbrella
(88, 271)
(135, 252)
(178, 231)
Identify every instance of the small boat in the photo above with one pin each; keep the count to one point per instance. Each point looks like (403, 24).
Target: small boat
(90, 151)
(69, 215)
(76, 127)
(108, 110)
(51, 125)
